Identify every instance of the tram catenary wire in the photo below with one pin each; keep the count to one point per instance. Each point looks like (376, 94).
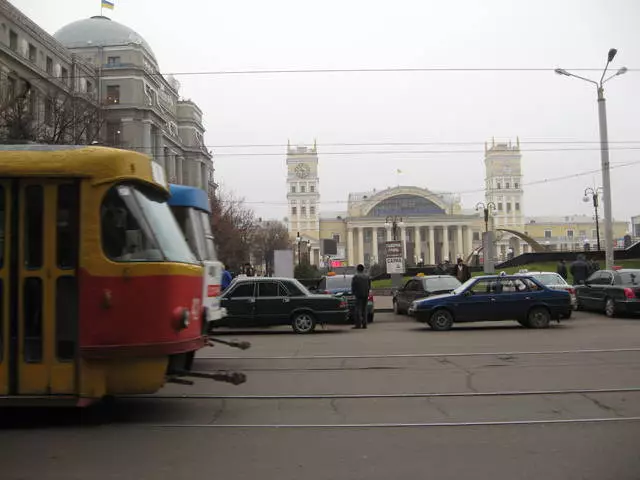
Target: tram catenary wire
(360, 396)
(423, 355)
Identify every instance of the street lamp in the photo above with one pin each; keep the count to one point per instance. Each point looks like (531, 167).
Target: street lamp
(298, 241)
(604, 150)
(595, 194)
(393, 222)
(486, 208)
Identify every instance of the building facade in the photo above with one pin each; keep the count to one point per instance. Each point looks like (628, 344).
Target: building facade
(113, 67)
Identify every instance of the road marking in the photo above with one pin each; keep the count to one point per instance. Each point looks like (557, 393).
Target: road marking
(399, 425)
(514, 393)
(423, 355)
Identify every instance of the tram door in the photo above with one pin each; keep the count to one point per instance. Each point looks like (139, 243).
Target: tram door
(39, 286)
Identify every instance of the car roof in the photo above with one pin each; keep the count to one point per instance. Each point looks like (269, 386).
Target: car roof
(253, 279)
(536, 273)
(496, 277)
(432, 276)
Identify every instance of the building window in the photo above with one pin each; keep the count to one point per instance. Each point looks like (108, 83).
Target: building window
(65, 76)
(312, 188)
(507, 185)
(570, 233)
(294, 210)
(113, 94)
(49, 66)
(508, 204)
(89, 87)
(13, 40)
(336, 237)
(476, 236)
(516, 185)
(11, 88)
(517, 206)
(303, 210)
(594, 233)
(312, 210)
(547, 234)
(113, 60)
(33, 53)
(302, 189)
(48, 111)
(500, 206)
(499, 185)
(293, 189)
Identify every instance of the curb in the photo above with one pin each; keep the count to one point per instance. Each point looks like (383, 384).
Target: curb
(383, 310)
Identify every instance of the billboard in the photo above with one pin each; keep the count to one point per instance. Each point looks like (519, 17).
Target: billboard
(394, 257)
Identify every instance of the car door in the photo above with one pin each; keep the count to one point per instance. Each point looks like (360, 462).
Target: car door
(402, 296)
(588, 292)
(272, 303)
(512, 300)
(240, 304)
(603, 289)
(477, 302)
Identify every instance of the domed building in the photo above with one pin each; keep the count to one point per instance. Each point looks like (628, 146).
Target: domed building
(142, 109)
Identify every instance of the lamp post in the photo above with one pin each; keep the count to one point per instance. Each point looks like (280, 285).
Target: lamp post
(393, 222)
(604, 150)
(486, 208)
(595, 194)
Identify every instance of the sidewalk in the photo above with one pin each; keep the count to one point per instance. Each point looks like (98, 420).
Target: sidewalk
(383, 303)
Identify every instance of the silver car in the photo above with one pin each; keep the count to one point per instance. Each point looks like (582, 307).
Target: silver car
(553, 280)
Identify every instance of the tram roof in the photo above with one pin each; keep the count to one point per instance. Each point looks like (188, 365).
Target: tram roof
(101, 164)
(186, 196)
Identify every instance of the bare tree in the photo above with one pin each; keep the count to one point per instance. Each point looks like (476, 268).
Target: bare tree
(17, 119)
(269, 237)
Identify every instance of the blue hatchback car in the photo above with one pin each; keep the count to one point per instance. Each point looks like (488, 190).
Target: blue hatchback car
(495, 297)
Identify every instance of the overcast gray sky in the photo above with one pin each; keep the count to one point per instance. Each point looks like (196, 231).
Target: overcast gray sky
(202, 35)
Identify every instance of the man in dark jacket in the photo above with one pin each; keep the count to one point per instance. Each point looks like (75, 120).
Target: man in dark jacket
(462, 271)
(360, 287)
(562, 269)
(579, 270)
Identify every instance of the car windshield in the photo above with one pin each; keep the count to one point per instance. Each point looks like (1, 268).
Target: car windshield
(441, 283)
(464, 286)
(630, 277)
(137, 225)
(196, 228)
(549, 279)
(339, 282)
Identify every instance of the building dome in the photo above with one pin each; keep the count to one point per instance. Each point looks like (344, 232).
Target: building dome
(99, 31)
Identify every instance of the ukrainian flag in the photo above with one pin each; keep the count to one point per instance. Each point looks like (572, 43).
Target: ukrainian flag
(107, 4)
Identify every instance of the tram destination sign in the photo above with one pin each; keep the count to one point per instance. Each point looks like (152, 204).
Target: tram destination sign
(394, 257)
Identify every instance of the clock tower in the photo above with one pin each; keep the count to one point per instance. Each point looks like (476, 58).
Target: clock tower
(503, 184)
(302, 191)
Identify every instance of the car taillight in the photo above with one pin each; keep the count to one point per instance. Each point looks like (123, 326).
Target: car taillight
(343, 304)
(572, 291)
(628, 293)
(370, 297)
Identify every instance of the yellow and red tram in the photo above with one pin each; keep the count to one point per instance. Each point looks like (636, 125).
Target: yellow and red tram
(99, 291)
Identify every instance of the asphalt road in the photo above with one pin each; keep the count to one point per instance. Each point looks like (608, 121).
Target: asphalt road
(396, 401)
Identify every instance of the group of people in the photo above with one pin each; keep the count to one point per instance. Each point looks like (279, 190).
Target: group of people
(580, 269)
(461, 270)
(227, 277)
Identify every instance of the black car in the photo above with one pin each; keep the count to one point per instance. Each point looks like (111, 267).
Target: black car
(267, 302)
(422, 287)
(340, 286)
(613, 292)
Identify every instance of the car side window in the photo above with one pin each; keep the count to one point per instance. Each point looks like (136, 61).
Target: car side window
(268, 289)
(482, 287)
(292, 290)
(407, 286)
(606, 278)
(595, 278)
(513, 286)
(243, 290)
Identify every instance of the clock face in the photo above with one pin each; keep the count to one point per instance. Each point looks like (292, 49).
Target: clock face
(302, 170)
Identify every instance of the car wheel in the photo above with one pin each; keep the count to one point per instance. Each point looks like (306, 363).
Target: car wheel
(538, 317)
(441, 320)
(396, 308)
(610, 308)
(303, 322)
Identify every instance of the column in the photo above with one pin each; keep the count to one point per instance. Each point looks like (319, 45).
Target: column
(361, 245)
(432, 245)
(374, 244)
(469, 240)
(389, 237)
(146, 139)
(418, 241)
(403, 236)
(445, 243)
(460, 243)
(350, 255)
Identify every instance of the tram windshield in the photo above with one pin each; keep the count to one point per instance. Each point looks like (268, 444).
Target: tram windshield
(137, 226)
(196, 227)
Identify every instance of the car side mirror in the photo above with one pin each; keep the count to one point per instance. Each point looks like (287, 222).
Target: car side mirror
(468, 293)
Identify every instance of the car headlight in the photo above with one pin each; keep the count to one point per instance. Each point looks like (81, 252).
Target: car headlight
(414, 304)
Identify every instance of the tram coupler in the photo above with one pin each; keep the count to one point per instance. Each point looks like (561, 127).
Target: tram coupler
(178, 380)
(235, 378)
(230, 343)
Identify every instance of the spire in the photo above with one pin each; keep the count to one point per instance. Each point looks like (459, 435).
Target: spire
(315, 145)
(518, 142)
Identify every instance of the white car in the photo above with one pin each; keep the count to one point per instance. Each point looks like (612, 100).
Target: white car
(553, 280)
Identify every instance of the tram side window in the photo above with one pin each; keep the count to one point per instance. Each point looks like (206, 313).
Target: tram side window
(66, 317)
(126, 237)
(32, 303)
(67, 226)
(33, 221)
(210, 244)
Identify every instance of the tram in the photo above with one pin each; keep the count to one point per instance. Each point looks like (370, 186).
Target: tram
(100, 294)
(190, 206)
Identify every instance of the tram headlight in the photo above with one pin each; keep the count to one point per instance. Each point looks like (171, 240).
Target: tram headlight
(181, 317)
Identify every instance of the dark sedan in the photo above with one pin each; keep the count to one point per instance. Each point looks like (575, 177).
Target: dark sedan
(422, 287)
(613, 292)
(491, 298)
(267, 302)
(340, 286)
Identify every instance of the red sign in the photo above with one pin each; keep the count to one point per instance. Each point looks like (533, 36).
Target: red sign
(213, 290)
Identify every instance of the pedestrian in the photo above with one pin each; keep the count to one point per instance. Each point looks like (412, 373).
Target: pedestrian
(579, 270)
(462, 271)
(360, 287)
(226, 278)
(562, 269)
